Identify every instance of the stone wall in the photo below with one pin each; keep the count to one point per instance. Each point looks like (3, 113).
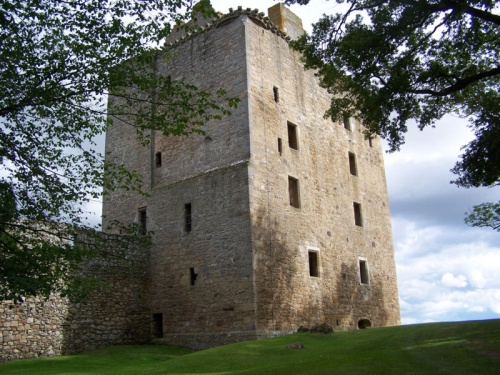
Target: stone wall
(32, 328)
(116, 313)
(231, 258)
(242, 269)
(209, 172)
(201, 279)
(282, 93)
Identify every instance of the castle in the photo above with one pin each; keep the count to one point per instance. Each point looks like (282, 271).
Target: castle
(273, 219)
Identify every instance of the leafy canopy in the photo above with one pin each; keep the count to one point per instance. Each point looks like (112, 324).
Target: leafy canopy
(387, 62)
(485, 215)
(59, 61)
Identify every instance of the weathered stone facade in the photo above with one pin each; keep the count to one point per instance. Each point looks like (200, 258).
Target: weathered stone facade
(32, 328)
(249, 264)
(275, 218)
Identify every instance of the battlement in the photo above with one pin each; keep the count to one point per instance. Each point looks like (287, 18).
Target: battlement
(280, 21)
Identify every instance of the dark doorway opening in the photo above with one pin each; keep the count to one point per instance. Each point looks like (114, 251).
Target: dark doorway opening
(157, 326)
(364, 323)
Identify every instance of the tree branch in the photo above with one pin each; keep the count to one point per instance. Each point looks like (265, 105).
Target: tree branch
(462, 6)
(460, 84)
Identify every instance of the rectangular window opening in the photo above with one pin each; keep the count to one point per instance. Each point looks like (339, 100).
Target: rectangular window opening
(363, 271)
(193, 276)
(188, 223)
(142, 220)
(370, 141)
(292, 136)
(158, 159)
(276, 94)
(347, 122)
(358, 220)
(293, 191)
(313, 263)
(157, 326)
(280, 146)
(352, 164)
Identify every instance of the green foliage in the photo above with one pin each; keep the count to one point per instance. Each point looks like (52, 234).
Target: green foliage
(485, 215)
(387, 62)
(59, 60)
(448, 348)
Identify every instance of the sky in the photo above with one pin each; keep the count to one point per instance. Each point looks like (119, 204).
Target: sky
(447, 271)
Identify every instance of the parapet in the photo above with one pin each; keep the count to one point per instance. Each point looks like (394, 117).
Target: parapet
(281, 21)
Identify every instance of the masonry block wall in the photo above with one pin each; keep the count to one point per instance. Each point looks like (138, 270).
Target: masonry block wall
(32, 328)
(116, 313)
(201, 276)
(273, 219)
(308, 253)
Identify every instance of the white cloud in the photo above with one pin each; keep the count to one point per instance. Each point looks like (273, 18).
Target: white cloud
(449, 280)
(440, 280)
(477, 278)
(446, 270)
(441, 305)
(495, 301)
(411, 239)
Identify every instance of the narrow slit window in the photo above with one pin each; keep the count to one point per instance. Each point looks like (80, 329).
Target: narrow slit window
(347, 122)
(313, 263)
(193, 276)
(352, 164)
(280, 146)
(158, 159)
(276, 93)
(292, 136)
(370, 142)
(293, 191)
(142, 220)
(363, 272)
(188, 219)
(358, 220)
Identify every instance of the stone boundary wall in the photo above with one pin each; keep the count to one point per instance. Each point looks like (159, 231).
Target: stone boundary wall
(116, 313)
(32, 328)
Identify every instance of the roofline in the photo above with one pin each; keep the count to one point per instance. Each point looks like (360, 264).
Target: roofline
(259, 18)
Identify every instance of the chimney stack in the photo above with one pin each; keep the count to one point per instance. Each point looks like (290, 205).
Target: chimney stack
(286, 20)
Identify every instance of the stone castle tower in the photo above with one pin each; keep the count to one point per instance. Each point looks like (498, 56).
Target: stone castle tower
(276, 217)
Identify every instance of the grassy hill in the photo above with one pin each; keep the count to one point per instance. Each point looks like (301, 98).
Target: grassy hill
(438, 348)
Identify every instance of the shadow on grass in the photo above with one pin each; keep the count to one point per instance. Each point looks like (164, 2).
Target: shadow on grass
(454, 348)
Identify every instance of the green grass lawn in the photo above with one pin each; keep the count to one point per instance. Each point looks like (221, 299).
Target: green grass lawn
(439, 348)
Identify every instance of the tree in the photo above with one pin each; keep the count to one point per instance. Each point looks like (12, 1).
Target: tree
(389, 61)
(58, 62)
(485, 215)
